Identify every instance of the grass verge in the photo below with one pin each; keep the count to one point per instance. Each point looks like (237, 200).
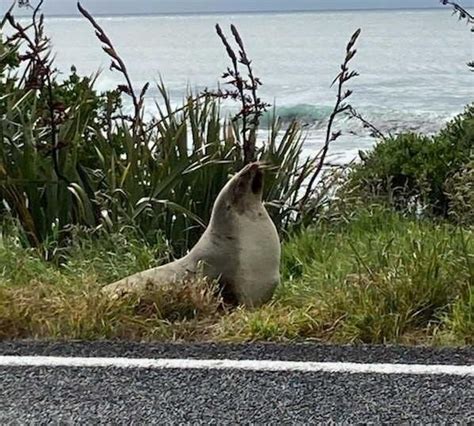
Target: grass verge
(377, 277)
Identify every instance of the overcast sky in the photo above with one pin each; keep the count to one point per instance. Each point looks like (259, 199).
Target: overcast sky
(67, 7)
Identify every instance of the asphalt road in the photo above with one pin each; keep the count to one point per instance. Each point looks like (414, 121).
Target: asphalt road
(72, 395)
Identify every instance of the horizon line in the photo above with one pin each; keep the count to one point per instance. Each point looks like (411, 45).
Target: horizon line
(238, 12)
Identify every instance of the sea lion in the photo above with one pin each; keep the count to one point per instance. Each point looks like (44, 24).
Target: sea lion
(240, 247)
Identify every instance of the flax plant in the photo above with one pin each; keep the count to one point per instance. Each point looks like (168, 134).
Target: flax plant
(70, 156)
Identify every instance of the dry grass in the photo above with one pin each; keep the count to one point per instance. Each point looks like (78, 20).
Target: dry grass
(44, 311)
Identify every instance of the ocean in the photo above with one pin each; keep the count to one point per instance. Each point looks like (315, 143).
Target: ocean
(412, 64)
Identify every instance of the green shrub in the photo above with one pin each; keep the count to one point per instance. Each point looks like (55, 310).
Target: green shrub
(410, 171)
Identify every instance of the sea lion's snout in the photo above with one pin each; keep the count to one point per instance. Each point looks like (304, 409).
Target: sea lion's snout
(257, 182)
(252, 175)
(242, 191)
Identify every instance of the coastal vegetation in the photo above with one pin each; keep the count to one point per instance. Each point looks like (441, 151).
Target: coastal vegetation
(379, 251)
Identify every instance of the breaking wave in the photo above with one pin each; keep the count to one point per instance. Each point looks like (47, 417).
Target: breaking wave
(386, 120)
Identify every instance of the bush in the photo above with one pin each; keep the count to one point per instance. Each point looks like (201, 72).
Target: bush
(411, 171)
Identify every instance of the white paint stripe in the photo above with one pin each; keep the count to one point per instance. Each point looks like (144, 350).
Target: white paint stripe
(251, 365)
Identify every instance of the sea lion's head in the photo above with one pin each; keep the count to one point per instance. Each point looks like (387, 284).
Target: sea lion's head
(242, 195)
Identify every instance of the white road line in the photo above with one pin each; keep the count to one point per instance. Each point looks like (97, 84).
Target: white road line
(250, 365)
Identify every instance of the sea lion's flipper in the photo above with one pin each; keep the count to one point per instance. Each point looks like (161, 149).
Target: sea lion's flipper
(147, 281)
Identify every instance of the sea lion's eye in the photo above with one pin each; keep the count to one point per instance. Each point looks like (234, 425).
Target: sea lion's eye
(228, 206)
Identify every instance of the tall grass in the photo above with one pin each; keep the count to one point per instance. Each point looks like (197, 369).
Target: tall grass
(378, 278)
